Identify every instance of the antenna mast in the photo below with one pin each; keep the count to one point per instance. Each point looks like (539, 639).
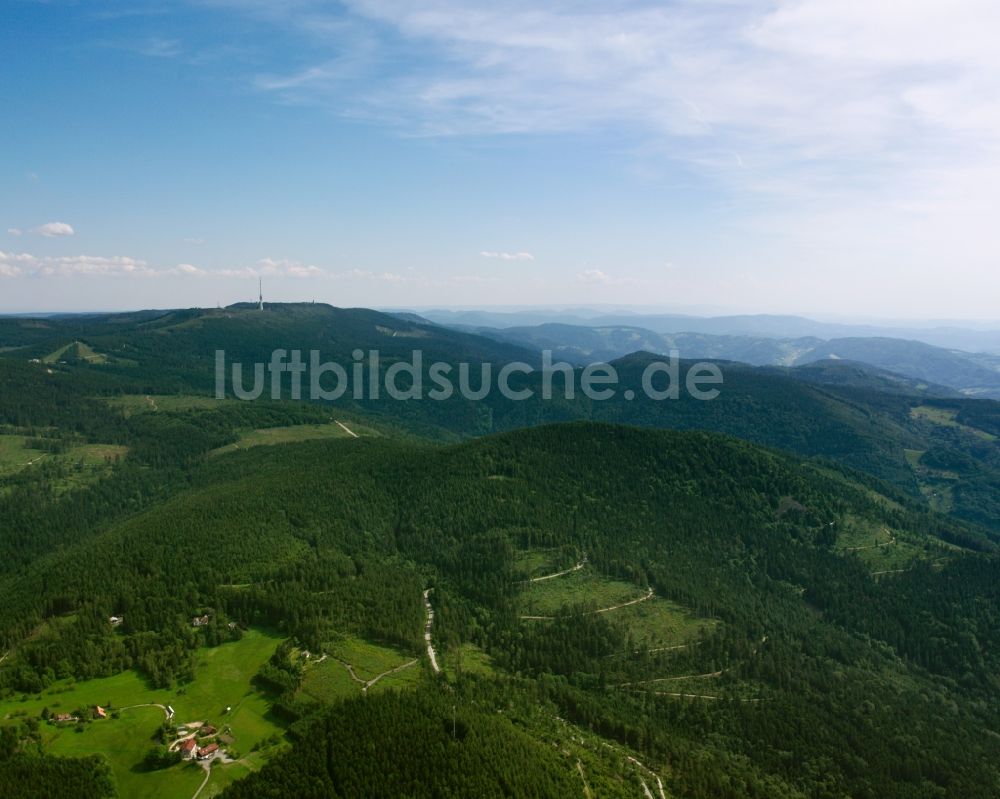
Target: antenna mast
(260, 294)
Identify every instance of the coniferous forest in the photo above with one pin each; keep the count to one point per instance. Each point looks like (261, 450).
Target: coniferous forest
(690, 602)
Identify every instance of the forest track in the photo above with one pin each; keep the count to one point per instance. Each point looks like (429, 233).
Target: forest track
(350, 670)
(166, 712)
(576, 568)
(703, 696)
(375, 679)
(709, 675)
(648, 595)
(346, 429)
(207, 765)
(667, 648)
(427, 632)
(586, 788)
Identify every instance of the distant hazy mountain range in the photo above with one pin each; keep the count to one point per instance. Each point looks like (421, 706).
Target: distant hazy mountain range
(974, 374)
(967, 336)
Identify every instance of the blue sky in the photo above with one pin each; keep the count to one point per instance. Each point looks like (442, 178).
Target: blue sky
(831, 157)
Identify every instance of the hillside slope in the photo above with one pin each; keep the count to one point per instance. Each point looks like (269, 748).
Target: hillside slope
(704, 559)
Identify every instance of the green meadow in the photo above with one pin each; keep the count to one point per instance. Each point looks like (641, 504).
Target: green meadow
(15, 454)
(223, 677)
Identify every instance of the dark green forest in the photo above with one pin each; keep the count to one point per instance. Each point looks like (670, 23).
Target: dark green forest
(834, 635)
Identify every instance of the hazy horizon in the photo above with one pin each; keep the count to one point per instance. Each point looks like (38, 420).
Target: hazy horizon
(557, 310)
(781, 157)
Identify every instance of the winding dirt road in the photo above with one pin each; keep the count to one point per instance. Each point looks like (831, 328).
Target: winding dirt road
(648, 595)
(366, 684)
(166, 712)
(576, 568)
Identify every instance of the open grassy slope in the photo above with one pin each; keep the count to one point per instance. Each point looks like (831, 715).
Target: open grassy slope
(223, 678)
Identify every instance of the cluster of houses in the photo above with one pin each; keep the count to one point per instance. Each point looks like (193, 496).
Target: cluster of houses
(189, 747)
(203, 621)
(190, 750)
(68, 718)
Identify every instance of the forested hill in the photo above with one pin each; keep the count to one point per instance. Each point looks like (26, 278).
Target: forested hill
(937, 448)
(175, 349)
(737, 621)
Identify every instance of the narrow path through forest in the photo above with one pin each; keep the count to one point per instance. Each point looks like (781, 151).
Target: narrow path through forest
(427, 632)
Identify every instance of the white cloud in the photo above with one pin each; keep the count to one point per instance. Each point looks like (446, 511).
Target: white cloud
(29, 265)
(796, 108)
(52, 230)
(9, 269)
(26, 264)
(14, 231)
(593, 276)
(193, 240)
(508, 256)
(270, 267)
(365, 274)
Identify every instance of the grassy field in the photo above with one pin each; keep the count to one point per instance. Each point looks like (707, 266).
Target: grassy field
(287, 435)
(149, 403)
(291, 434)
(654, 623)
(223, 679)
(472, 660)
(539, 562)
(935, 484)
(858, 535)
(661, 623)
(581, 589)
(75, 351)
(946, 418)
(16, 455)
(913, 457)
(884, 550)
(330, 680)
(87, 461)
